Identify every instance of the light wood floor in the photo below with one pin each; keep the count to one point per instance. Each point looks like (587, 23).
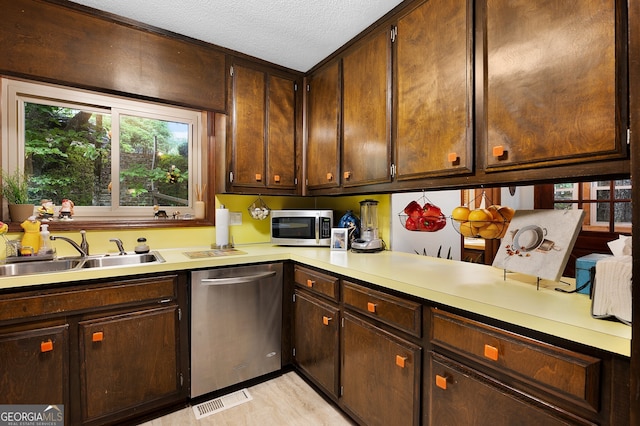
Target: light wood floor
(285, 400)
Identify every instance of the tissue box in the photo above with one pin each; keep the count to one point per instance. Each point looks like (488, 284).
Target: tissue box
(583, 270)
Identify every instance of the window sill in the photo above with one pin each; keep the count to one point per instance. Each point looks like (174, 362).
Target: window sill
(78, 224)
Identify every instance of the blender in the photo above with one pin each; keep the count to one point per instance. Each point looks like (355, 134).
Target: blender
(368, 241)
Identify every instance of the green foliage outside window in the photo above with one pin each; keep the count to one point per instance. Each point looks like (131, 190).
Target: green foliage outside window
(68, 155)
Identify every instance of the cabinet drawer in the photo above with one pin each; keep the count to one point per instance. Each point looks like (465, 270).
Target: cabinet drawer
(461, 396)
(115, 293)
(400, 313)
(560, 372)
(316, 282)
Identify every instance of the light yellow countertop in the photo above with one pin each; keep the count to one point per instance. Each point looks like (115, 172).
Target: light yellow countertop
(471, 287)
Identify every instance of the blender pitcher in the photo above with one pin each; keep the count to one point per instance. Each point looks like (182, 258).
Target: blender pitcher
(369, 240)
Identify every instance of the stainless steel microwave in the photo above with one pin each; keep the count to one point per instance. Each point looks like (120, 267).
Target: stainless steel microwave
(301, 227)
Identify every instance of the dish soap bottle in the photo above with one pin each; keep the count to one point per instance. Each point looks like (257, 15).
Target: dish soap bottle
(31, 237)
(142, 246)
(45, 245)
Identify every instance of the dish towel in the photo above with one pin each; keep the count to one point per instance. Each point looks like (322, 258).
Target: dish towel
(612, 289)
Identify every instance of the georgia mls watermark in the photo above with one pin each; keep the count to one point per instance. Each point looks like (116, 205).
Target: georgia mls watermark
(31, 415)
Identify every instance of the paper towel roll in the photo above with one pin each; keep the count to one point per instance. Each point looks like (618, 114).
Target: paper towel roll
(222, 227)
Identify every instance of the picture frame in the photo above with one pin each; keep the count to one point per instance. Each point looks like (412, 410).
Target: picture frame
(339, 239)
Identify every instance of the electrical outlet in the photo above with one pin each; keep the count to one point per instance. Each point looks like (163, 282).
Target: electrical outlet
(235, 218)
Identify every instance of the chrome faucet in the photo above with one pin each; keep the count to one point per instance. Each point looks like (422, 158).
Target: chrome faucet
(84, 245)
(82, 248)
(118, 242)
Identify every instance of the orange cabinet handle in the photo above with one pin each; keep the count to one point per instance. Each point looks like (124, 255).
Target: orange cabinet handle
(452, 157)
(310, 283)
(347, 175)
(326, 319)
(329, 176)
(258, 177)
(276, 178)
(400, 360)
(46, 346)
(441, 382)
(371, 307)
(491, 352)
(498, 151)
(97, 336)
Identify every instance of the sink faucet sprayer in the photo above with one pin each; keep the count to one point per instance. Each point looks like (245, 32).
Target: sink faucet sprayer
(118, 242)
(83, 247)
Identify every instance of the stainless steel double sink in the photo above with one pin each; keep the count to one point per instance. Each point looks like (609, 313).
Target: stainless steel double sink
(77, 263)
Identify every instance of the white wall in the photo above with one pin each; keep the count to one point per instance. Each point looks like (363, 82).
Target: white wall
(521, 200)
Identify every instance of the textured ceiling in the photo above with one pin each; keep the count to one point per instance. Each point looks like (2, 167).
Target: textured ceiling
(293, 33)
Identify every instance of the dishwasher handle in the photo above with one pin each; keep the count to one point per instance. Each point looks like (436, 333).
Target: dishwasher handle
(237, 280)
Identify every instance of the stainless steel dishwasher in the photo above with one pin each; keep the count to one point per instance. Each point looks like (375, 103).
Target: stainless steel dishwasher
(236, 325)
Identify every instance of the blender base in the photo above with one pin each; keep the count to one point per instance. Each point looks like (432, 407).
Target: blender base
(367, 246)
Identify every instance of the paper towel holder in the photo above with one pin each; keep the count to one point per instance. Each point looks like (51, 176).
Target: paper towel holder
(224, 246)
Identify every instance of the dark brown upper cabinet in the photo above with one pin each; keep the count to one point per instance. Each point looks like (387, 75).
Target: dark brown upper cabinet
(323, 138)
(434, 90)
(261, 133)
(553, 82)
(366, 111)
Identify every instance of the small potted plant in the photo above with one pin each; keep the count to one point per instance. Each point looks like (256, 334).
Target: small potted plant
(15, 189)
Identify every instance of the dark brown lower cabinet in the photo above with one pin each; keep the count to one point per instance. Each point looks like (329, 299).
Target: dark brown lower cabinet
(128, 359)
(108, 350)
(380, 376)
(34, 365)
(463, 396)
(316, 340)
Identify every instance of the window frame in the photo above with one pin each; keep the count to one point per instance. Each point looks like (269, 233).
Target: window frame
(584, 196)
(14, 92)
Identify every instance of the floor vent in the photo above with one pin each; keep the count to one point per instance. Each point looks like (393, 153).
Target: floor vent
(216, 405)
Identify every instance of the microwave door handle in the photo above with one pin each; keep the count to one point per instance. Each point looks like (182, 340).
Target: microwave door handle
(237, 280)
(318, 220)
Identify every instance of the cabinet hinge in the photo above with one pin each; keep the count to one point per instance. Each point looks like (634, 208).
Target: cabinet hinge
(393, 170)
(341, 390)
(230, 177)
(295, 181)
(294, 352)
(181, 380)
(179, 314)
(308, 87)
(294, 298)
(342, 322)
(295, 87)
(231, 70)
(394, 33)
(628, 136)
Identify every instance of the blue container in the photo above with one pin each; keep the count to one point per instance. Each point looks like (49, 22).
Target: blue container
(584, 266)
(352, 223)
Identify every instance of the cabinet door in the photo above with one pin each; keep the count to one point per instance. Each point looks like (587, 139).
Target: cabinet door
(281, 134)
(366, 72)
(316, 340)
(262, 144)
(554, 91)
(128, 359)
(380, 375)
(34, 366)
(323, 154)
(247, 127)
(434, 87)
(461, 396)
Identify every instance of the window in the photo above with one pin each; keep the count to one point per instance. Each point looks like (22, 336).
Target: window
(607, 204)
(113, 157)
